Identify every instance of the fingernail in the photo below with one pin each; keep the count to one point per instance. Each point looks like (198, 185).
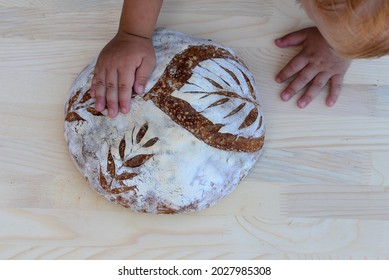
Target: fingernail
(141, 89)
(285, 96)
(125, 110)
(330, 103)
(302, 103)
(278, 79)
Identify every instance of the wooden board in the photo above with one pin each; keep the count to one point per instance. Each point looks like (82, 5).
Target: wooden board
(319, 191)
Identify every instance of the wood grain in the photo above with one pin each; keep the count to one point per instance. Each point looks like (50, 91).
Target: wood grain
(319, 191)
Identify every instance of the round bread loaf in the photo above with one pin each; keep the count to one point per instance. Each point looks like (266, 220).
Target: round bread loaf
(185, 144)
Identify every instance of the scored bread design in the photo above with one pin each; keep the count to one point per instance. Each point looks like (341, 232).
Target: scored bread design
(185, 144)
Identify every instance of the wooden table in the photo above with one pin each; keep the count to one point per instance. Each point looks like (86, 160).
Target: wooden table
(319, 191)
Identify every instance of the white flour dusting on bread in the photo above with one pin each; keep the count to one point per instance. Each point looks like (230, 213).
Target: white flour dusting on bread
(185, 144)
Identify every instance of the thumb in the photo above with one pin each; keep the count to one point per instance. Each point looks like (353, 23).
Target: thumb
(292, 39)
(142, 74)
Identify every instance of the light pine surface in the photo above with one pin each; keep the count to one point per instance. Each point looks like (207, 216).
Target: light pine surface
(319, 191)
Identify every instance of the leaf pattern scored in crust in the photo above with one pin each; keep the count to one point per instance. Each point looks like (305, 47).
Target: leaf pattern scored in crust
(123, 189)
(176, 75)
(260, 123)
(250, 86)
(151, 142)
(214, 83)
(122, 148)
(219, 102)
(127, 153)
(137, 160)
(232, 75)
(73, 117)
(142, 132)
(250, 119)
(94, 112)
(103, 181)
(126, 176)
(86, 97)
(236, 110)
(111, 168)
(116, 173)
(73, 100)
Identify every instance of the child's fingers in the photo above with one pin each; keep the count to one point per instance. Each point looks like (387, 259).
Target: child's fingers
(313, 90)
(292, 39)
(335, 89)
(302, 79)
(112, 93)
(94, 81)
(294, 66)
(125, 83)
(142, 74)
(99, 90)
(93, 87)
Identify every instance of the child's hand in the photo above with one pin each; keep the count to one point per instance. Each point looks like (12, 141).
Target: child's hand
(126, 62)
(315, 66)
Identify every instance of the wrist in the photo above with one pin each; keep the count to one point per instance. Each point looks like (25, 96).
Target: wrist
(133, 34)
(139, 17)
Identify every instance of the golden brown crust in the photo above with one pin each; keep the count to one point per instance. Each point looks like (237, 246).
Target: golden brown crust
(180, 68)
(183, 113)
(176, 74)
(203, 98)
